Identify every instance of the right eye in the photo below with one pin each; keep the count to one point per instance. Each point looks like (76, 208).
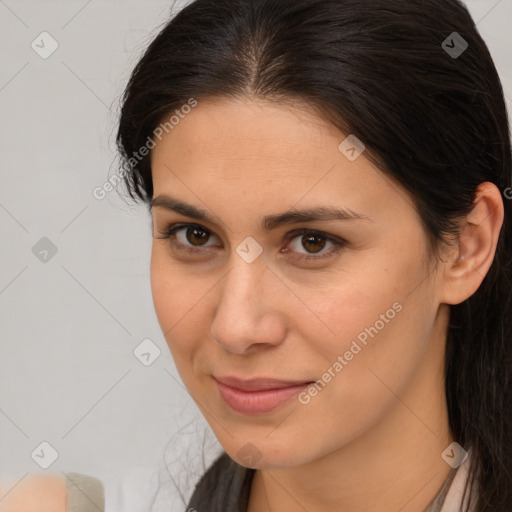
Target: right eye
(187, 237)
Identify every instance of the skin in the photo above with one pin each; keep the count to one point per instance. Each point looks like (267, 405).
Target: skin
(35, 493)
(372, 438)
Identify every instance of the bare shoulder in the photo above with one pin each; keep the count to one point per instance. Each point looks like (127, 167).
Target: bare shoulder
(35, 493)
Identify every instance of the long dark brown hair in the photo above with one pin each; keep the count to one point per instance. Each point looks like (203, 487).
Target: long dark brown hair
(416, 83)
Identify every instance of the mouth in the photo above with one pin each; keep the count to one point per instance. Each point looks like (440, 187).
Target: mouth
(257, 396)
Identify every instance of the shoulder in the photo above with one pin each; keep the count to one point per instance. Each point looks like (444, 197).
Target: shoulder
(36, 493)
(84, 493)
(456, 497)
(71, 492)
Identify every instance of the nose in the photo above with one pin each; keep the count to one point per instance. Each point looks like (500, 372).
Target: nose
(247, 313)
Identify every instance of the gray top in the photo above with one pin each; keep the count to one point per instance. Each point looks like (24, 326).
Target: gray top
(84, 493)
(225, 487)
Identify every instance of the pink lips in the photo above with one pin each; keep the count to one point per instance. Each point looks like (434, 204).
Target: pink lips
(257, 396)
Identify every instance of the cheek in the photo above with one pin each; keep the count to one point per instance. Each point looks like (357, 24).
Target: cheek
(354, 307)
(374, 322)
(357, 381)
(176, 300)
(163, 282)
(382, 334)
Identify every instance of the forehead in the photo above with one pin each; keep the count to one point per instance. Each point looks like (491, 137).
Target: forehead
(227, 138)
(263, 157)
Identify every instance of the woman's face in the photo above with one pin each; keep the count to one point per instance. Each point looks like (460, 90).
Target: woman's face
(351, 303)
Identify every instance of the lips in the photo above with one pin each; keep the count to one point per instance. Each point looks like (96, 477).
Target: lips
(258, 384)
(257, 396)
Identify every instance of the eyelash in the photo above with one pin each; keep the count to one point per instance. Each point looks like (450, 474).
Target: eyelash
(339, 244)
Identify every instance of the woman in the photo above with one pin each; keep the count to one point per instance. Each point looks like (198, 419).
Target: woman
(331, 263)
(329, 183)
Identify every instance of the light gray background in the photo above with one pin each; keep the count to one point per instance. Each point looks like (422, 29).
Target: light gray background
(68, 375)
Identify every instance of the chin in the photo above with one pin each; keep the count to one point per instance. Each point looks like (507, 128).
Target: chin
(265, 454)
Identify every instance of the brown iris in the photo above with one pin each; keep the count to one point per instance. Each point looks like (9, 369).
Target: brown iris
(198, 235)
(310, 241)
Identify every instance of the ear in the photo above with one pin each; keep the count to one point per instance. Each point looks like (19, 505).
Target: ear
(471, 258)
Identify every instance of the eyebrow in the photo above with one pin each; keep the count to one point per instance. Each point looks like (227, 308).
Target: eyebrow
(321, 213)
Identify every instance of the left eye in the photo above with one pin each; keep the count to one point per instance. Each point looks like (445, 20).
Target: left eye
(313, 242)
(193, 237)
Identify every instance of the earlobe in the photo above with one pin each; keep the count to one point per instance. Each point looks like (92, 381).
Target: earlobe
(474, 254)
